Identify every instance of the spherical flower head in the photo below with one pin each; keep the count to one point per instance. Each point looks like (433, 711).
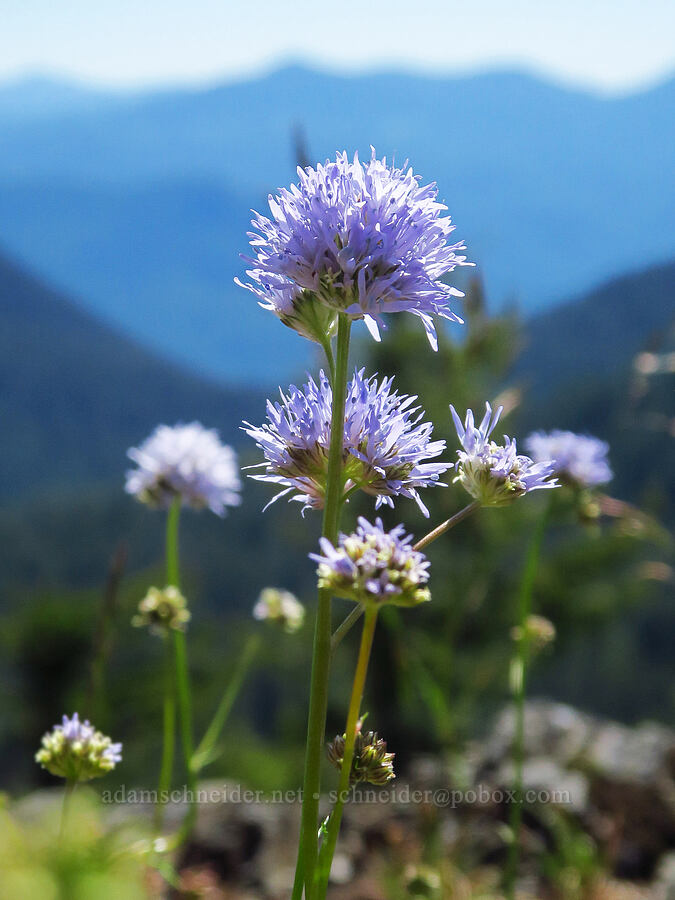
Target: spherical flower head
(162, 611)
(371, 763)
(493, 474)
(374, 566)
(281, 608)
(186, 461)
(360, 238)
(578, 459)
(76, 751)
(386, 446)
(538, 632)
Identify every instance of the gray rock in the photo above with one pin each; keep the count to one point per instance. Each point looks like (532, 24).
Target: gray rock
(641, 754)
(553, 783)
(664, 883)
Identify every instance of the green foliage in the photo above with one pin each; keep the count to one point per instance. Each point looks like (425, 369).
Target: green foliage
(438, 671)
(90, 860)
(76, 394)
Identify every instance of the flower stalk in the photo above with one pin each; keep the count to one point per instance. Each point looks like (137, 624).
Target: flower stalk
(69, 790)
(169, 702)
(206, 752)
(318, 701)
(169, 735)
(447, 525)
(518, 677)
(182, 684)
(333, 826)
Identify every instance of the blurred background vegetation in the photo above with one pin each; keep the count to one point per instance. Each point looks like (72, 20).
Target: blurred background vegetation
(77, 557)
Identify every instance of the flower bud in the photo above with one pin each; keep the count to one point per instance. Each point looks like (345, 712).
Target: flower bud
(162, 610)
(538, 632)
(371, 763)
(281, 607)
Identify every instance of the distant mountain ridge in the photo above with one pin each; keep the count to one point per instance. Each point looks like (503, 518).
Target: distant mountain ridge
(588, 337)
(141, 205)
(38, 97)
(74, 395)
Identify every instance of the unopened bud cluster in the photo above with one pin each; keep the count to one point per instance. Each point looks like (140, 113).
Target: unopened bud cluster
(76, 751)
(162, 610)
(371, 763)
(280, 607)
(538, 632)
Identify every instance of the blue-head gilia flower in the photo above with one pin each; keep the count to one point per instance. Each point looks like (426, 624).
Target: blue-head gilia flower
(186, 461)
(385, 444)
(577, 459)
(494, 474)
(374, 566)
(76, 751)
(360, 238)
(281, 607)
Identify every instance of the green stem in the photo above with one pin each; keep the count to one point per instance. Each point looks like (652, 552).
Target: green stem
(169, 732)
(328, 350)
(345, 626)
(447, 525)
(333, 828)
(299, 879)
(334, 478)
(169, 703)
(354, 616)
(172, 521)
(67, 794)
(203, 754)
(318, 698)
(182, 674)
(187, 741)
(518, 675)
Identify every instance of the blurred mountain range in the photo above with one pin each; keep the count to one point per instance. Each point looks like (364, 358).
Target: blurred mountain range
(139, 204)
(75, 393)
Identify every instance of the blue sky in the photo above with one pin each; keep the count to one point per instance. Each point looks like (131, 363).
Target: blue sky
(612, 45)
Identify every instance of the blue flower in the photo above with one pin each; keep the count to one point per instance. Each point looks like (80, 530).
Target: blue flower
(374, 566)
(76, 751)
(577, 458)
(494, 474)
(353, 237)
(186, 461)
(385, 443)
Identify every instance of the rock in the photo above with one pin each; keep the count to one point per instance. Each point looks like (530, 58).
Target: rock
(342, 869)
(551, 729)
(641, 754)
(664, 883)
(552, 783)
(619, 780)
